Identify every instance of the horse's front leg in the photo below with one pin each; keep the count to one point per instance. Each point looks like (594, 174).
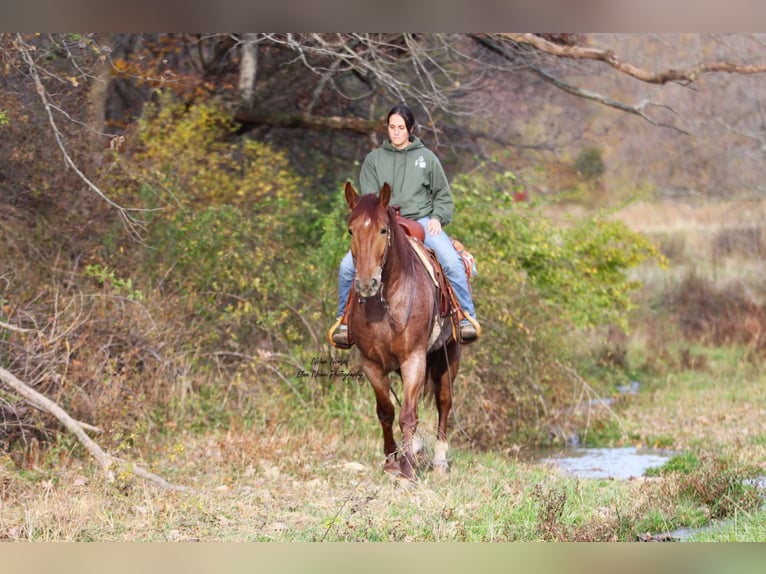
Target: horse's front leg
(413, 378)
(381, 384)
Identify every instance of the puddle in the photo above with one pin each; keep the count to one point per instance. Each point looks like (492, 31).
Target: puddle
(624, 464)
(618, 463)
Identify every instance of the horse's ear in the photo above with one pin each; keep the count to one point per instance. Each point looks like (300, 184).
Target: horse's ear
(351, 196)
(385, 195)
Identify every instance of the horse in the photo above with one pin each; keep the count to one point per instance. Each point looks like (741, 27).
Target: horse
(395, 321)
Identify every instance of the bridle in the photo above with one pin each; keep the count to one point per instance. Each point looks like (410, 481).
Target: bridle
(381, 297)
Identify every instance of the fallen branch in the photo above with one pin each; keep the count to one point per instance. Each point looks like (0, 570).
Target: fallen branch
(16, 329)
(251, 117)
(106, 461)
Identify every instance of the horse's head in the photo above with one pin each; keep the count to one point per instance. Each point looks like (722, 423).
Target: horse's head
(370, 232)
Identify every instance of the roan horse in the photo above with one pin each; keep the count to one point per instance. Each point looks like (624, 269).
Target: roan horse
(395, 322)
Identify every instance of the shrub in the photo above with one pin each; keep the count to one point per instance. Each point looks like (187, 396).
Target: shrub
(540, 287)
(228, 218)
(717, 315)
(590, 163)
(578, 270)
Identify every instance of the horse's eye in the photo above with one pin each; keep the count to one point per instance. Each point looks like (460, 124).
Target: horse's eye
(350, 232)
(384, 231)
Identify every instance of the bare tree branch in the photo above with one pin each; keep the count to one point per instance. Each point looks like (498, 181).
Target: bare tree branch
(132, 224)
(556, 49)
(683, 76)
(637, 110)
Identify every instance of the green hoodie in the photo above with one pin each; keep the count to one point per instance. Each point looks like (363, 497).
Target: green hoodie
(417, 179)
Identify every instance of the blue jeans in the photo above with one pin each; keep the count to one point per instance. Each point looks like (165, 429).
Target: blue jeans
(450, 261)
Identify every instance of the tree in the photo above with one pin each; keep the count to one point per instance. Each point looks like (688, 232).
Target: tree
(70, 102)
(508, 46)
(321, 86)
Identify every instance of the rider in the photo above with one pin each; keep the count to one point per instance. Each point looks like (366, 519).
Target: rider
(419, 185)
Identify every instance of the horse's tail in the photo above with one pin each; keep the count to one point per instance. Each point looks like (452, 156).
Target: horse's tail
(438, 360)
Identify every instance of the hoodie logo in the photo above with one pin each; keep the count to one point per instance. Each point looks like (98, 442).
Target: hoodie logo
(420, 162)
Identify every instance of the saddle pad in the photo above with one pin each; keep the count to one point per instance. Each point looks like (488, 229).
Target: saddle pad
(425, 259)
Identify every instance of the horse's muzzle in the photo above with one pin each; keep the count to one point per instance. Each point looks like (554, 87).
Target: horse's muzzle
(368, 287)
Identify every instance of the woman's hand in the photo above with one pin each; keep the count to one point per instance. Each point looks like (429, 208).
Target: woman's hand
(434, 226)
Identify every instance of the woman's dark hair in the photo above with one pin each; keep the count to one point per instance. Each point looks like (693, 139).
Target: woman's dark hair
(407, 115)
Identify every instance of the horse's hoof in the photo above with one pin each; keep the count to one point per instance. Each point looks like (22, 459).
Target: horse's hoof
(441, 468)
(407, 467)
(391, 466)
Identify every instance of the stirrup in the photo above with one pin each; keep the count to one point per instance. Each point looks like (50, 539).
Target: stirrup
(469, 330)
(338, 335)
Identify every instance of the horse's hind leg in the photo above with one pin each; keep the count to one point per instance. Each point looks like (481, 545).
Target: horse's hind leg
(443, 373)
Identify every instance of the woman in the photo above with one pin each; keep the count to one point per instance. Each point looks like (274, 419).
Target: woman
(420, 187)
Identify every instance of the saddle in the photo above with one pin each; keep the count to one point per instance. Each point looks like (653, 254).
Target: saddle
(410, 226)
(414, 230)
(448, 303)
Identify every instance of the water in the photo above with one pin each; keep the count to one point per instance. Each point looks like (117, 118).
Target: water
(624, 464)
(617, 463)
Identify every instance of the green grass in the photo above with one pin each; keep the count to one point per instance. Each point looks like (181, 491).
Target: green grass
(683, 463)
(314, 474)
(742, 527)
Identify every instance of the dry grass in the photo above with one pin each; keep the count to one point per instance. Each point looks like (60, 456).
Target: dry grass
(283, 484)
(702, 409)
(287, 497)
(721, 241)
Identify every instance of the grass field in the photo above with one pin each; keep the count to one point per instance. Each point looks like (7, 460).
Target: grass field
(320, 484)
(313, 471)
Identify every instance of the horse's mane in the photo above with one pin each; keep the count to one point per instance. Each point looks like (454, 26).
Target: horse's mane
(407, 256)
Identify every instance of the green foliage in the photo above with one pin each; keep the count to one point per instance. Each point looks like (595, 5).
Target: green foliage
(3, 118)
(213, 250)
(107, 278)
(578, 270)
(191, 160)
(590, 163)
(542, 284)
(228, 221)
(324, 259)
